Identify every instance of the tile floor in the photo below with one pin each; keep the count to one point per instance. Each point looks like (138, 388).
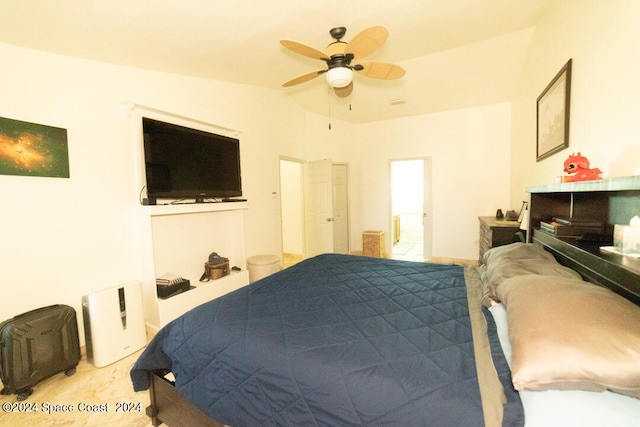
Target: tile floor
(108, 390)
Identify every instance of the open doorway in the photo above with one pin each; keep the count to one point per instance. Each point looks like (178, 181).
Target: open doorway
(292, 216)
(314, 200)
(410, 205)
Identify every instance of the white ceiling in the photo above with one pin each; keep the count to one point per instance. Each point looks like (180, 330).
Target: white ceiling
(457, 53)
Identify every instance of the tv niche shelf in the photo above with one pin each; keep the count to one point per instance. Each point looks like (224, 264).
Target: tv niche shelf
(178, 238)
(613, 201)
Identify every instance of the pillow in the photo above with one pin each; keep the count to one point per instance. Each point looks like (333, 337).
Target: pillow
(569, 334)
(487, 300)
(517, 250)
(518, 259)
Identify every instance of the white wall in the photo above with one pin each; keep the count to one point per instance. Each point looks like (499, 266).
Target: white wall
(602, 38)
(63, 238)
(470, 151)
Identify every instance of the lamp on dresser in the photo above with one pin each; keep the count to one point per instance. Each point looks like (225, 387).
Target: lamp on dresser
(524, 223)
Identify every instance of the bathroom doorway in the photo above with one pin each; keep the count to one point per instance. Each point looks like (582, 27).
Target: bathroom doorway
(411, 209)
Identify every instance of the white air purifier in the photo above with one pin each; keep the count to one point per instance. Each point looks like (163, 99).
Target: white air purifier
(113, 323)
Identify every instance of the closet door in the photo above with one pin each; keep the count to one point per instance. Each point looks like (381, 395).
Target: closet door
(318, 207)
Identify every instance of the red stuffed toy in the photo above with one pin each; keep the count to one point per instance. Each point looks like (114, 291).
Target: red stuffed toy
(577, 166)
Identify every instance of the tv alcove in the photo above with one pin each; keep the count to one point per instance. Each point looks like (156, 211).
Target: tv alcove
(178, 239)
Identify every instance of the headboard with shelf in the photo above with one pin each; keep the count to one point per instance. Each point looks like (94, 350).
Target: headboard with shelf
(613, 201)
(619, 273)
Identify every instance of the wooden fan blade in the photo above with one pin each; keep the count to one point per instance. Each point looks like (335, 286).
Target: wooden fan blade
(343, 92)
(381, 70)
(303, 49)
(367, 41)
(304, 78)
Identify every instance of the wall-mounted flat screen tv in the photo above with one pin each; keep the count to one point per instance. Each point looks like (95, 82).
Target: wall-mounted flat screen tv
(185, 163)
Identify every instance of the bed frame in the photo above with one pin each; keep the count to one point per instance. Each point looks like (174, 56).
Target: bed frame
(170, 407)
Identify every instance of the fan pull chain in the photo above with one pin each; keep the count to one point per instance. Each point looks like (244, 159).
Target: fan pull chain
(329, 99)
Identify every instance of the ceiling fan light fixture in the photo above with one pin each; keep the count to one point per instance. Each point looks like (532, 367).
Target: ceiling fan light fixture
(339, 55)
(339, 76)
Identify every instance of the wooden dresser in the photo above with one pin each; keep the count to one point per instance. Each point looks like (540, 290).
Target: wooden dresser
(495, 232)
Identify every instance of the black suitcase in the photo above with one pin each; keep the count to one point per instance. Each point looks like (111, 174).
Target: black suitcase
(36, 345)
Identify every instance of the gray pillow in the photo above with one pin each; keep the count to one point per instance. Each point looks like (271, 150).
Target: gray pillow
(518, 259)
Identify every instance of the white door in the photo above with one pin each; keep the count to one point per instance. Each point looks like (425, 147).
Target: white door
(318, 207)
(340, 209)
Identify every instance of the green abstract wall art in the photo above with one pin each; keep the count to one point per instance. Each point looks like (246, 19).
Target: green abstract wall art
(32, 149)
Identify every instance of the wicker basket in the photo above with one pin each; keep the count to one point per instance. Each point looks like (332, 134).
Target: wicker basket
(373, 243)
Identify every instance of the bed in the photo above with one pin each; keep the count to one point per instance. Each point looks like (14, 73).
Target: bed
(351, 340)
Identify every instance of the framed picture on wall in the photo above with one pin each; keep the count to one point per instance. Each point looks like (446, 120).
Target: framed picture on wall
(31, 149)
(553, 115)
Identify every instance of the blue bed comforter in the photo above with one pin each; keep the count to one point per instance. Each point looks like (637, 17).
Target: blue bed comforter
(337, 340)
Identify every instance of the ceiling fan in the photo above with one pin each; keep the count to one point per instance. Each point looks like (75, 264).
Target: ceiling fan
(340, 54)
